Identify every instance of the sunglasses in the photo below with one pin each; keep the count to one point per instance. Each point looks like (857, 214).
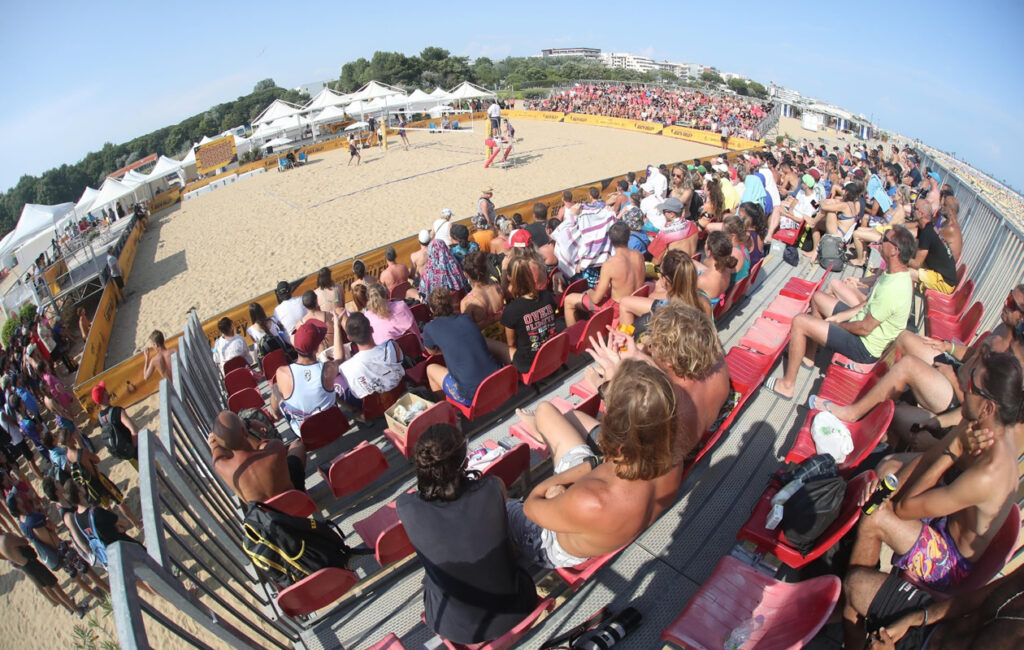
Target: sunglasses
(973, 387)
(886, 238)
(1012, 305)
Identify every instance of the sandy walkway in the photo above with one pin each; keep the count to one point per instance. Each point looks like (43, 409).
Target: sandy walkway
(224, 247)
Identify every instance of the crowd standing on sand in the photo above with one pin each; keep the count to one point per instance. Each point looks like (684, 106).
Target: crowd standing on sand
(492, 295)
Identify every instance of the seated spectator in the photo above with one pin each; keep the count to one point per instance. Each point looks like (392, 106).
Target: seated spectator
(933, 266)
(119, 430)
(462, 246)
(262, 325)
(484, 303)
(289, 310)
(621, 275)
(873, 231)
(616, 199)
(473, 590)
(19, 552)
(305, 386)
(230, 345)
(483, 232)
(313, 312)
(418, 258)
(157, 357)
(680, 233)
(500, 242)
(593, 506)
(756, 224)
(742, 242)
(861, 334)
(948, 225)
(938, 530)
(330, 296)
(529, 319)
(714, 278)
(521, 247)
(677, 281)
(395, 273)
(568, 203)
(359, 272)
(255, 470)
(634, 219)
(800, 205)
(441, 270)
(467, 356)
(389, 320)
(374, 368)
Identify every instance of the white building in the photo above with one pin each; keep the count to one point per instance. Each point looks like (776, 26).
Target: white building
(628, 61)
(311, 88)
(585, 52)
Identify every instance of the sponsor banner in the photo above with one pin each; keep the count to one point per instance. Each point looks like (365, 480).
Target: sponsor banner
(215, 154)
(95, 349)
(164, 200)
(646, 127)
(548, 116)
(693, 135)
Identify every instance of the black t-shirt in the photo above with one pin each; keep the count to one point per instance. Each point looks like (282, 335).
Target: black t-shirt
(473, 589)
(533, 321)
(106, 526)
(465, 352)
(939, 258)
(915, 174)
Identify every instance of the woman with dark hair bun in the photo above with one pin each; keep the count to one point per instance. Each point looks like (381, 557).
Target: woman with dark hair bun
(716, 276)
(473, 589)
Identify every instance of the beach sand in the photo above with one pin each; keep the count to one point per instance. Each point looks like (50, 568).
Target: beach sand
(236, 242)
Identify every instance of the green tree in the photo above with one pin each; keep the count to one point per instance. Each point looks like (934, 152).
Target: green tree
(757, 90)
(263, 85)
(739, 86)
(710, 77)
(484, 72)
(354, 74)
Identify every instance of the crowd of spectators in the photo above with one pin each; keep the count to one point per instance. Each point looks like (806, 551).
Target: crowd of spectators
(687, 107)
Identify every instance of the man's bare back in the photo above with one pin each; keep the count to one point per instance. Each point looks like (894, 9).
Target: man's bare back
(699, 403)
(394, 275)
(626, 272)
(417, 261)
(254, 474)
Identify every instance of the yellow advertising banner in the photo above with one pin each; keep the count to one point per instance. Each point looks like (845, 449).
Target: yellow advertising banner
(215, 154)
(91, 363)
(166, 199)
(548, 116)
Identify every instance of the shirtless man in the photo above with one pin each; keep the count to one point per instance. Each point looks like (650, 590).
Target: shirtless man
(395, 273)
(157, 356)
(255, 473)
(618, 198)
(591, 507)
(621, 275)
(418, 259)
(949, 229)
(937, 530)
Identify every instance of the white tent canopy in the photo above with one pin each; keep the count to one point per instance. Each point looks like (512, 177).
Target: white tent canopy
(466, 90)
(375, 89)
(420, 100)
(330, 114)
(163, 167)
(325, 99)
(276, 111)
(134, 178)
(111, 191)
(365, 107)
(85, 201)
(440, 94)
(34, 220)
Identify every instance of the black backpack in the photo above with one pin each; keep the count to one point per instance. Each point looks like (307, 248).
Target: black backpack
(816, 505)
(269, 343)
(832, 252)
(696, 205)
(116, 437)
(286, 549)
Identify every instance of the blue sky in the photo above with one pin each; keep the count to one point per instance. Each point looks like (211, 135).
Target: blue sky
(81, 74)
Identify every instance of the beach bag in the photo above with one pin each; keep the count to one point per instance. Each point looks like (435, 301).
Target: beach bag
(790, 255)
(696, 206)
(286, 549)
(251, 415)
(270, 342)
(811, 510)
(117, 439)
(832, 253)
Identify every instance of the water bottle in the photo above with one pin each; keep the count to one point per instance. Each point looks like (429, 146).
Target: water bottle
(785, 493)
(774, 517)
(885, 488)
(742, 633)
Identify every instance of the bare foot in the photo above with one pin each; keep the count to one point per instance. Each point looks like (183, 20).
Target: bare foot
(528, 419)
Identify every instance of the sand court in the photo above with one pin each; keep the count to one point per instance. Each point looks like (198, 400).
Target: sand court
(234, 243)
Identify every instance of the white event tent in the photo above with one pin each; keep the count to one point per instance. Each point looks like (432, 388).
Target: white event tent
(466, 90)
(35, 219)
(110, 192)
(85, 201)
(324, 99)
(277, 109)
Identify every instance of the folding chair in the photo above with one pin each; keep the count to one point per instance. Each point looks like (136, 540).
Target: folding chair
(353, 470)
(315, 591)
(793, 612)
(302, 158)
(323, 428)
(293, 502)
(440, 413)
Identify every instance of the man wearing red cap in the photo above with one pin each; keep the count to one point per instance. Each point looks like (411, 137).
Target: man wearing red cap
(306, 386)
(120, 434)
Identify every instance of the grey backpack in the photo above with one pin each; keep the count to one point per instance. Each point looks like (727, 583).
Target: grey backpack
(832, 253)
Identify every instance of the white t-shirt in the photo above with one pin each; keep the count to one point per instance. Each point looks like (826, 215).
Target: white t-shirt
(443, 230)
(114, 266)
(803, 207)
(225, 350)
(289, 313)
(493, 111)
(770, 186)
(649, 205)
(377, 370)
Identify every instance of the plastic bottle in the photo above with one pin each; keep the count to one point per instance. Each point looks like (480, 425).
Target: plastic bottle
(789, 490)
(774, 517)
(742, 633)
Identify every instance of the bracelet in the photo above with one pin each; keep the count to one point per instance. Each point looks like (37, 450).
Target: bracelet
(925, 613)
(952, 349)
(949, 453)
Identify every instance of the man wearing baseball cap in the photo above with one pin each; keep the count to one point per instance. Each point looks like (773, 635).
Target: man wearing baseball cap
(120, 433)
(305, 387)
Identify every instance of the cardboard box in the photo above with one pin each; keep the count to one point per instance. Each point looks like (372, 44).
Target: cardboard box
(406, 401)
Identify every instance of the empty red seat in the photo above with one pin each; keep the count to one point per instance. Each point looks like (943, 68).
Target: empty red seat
(866, 432)
(492, 392)
(766, 336)
(293, 502)
(789, 235)
(747, 369)
(399, 291)
(793, 612)
(390, 642)
(774, 541)
(439, 413)
(233, 363)
(952, 305)
(579, 286)
(323, 428)
(784, 309)
(353, 470)
(508, 639)
(960, 329)
(510, 465)
(315, 591)
(581, 333)
(551, 356)
(247, 398)
(270, 363)
(575, 576)
(376, 404)
(421, 313)
(384, 533)
(410, 345)
(239, 379)
(844, 386)
(802, 289)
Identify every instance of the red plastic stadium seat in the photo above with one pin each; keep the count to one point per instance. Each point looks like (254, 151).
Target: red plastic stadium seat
(293, 502)
(802, 289)
(732, 297)
(774, 541)
(581, 333)
(766, 336)
(948, 329)
(992, 560)
(794, 612)
(492, 392)
(323, 428)
(789, 235)
(783, 309)
(933, 296)
(421, 313)
(510, 465)
(642, 291)
(239, 379)
(440, 413)
(384, 533)
(353, 470)
(410, 345)
(550, 357)
(247, 398)
(575, 576)
(233, 364)
(866, 433)
(888, 358)
(953, 305)
(315, 591)
(844, 386)
(564, 406)
(376, 404)
(747, 369)
(579, 286)
(399, 291)
(755, 271)
(508, 639)
(270, 363)
(390, 642)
